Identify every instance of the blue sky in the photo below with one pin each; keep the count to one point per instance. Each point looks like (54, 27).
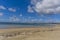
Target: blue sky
(32, 11)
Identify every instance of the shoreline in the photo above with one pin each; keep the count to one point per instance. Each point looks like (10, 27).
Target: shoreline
(41, 33)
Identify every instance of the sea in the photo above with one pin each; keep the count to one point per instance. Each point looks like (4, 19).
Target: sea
(5, 25)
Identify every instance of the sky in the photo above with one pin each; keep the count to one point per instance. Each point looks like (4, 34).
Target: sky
(30, 11)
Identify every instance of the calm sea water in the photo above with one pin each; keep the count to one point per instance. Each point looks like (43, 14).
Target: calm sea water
(24, 25)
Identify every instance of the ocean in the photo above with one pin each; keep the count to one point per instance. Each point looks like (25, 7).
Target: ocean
(25, 25)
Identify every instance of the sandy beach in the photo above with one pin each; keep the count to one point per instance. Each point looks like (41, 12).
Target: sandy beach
(30, 33)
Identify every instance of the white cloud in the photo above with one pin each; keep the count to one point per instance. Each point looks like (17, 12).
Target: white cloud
(50, 20)
(46, 6)
(12, 9)
(1, 14)
(14, 18)
(30, 9)
(2, 7)
(21, 15)
(9, 9)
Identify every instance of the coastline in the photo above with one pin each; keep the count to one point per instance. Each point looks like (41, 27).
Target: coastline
(42, 33)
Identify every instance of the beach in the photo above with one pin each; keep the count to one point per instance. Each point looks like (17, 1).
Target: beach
(31, 33)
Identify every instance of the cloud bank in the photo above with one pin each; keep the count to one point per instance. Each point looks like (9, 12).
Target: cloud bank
(1, 14)
(45, 6)
(12, 9)
(14, 19)
(9, 9)
(2, 7)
